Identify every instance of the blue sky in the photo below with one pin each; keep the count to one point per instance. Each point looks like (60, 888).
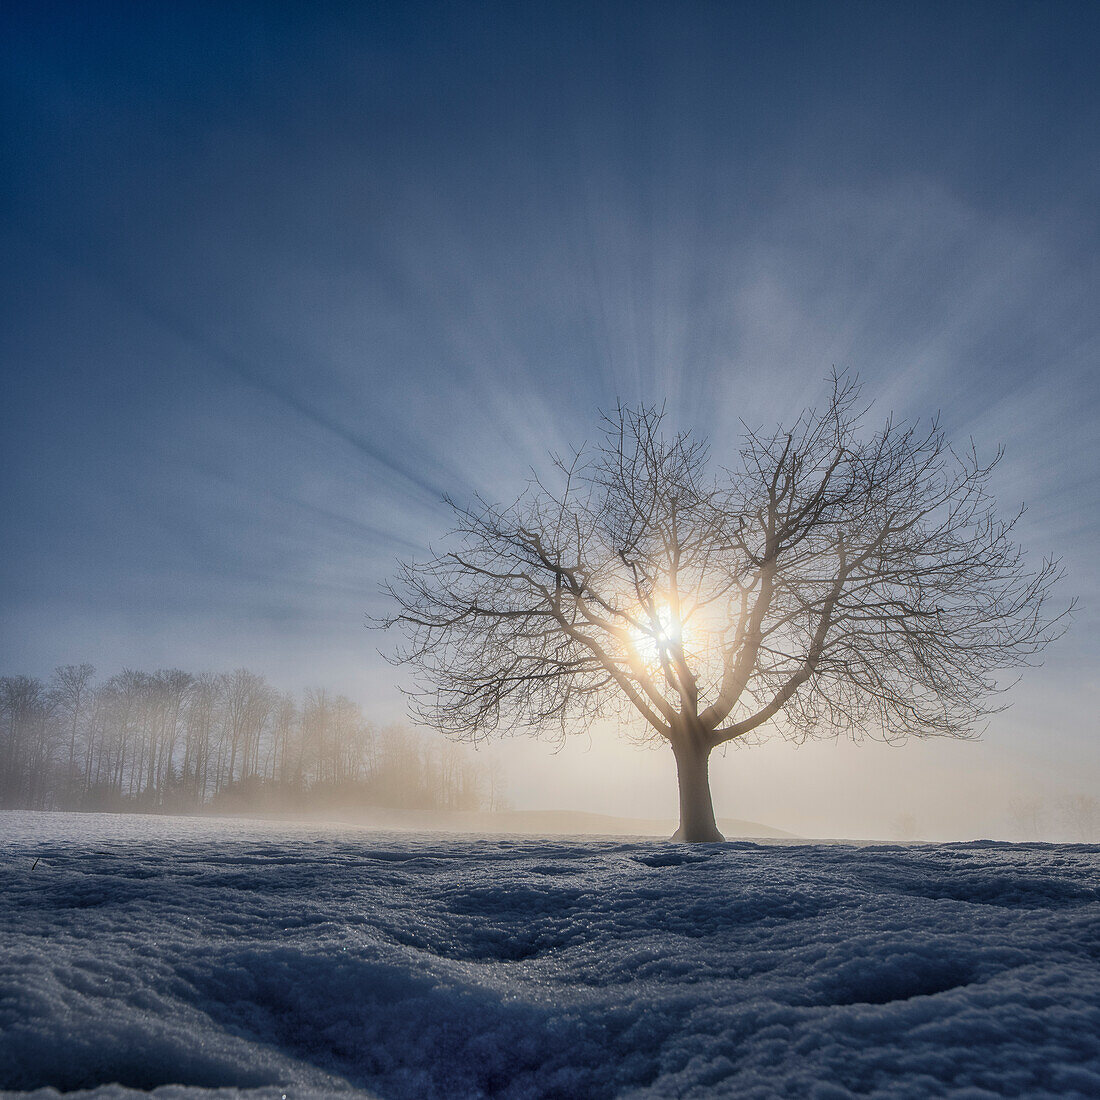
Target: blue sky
(277, 277)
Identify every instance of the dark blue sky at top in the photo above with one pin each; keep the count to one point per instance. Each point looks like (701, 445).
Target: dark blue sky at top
(276, 277)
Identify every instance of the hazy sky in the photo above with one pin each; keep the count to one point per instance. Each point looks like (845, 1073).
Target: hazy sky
(276, 277)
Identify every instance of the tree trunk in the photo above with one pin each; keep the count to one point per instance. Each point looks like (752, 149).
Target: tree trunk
(697, 825)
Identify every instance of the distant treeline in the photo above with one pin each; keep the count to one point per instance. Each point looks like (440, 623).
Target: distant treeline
(171, 741)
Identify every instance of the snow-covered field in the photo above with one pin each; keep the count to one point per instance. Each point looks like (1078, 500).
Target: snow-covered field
(299, 960)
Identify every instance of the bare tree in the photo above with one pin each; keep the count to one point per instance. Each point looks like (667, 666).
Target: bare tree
(247, 703)
(72, 686)
(26, 741)
(201, 715)
(173, 741)
(496, 798)
(1081, 814)
(836, 582)
(1028, 814)
(285, 726)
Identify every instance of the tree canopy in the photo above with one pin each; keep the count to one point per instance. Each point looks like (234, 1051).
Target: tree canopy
(836, 581)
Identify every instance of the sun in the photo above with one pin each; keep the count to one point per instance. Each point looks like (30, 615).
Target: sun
(658, 632)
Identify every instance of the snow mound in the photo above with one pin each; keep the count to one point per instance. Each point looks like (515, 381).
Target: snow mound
(184, 957)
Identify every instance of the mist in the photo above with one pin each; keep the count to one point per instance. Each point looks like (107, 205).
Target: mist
(232, 743)
(229, 743)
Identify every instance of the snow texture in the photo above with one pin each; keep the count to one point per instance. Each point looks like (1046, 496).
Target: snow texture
(194, 957)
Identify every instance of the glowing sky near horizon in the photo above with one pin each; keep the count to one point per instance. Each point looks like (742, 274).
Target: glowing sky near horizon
(278, 277)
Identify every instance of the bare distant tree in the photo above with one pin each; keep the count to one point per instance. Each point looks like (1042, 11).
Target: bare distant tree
(835, 582)
(496, 798)
(247, 701)
(72, 689)
(174, 741)
(1081, 814)
(1028, 816)
(169, 692)
(285, 727)
(26, 740)
(199, 726)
